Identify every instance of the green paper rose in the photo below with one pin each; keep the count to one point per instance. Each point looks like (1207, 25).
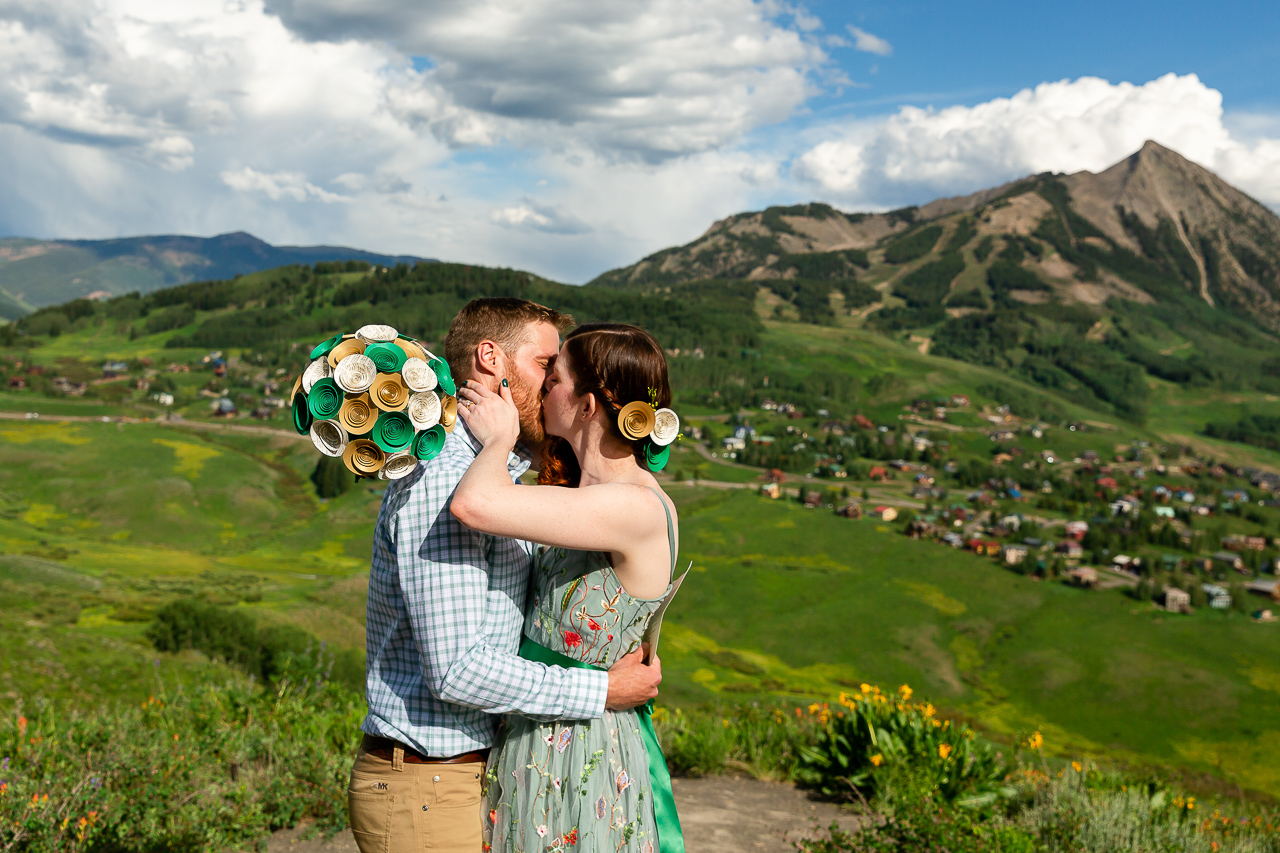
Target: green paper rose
(388, 358)
(324, 400)
(429, 443)
(393, 431)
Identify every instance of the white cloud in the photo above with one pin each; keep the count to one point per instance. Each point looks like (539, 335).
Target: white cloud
(529, 214)
(918, 154)
(565, 137)
(278, 185)
(867, 43)
(650, 78)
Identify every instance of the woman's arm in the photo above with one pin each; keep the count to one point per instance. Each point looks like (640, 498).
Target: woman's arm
(608, 517)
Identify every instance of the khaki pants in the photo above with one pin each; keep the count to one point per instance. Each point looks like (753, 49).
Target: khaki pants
(415, 807)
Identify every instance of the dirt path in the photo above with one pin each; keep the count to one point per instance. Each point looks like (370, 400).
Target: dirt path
(717, 813)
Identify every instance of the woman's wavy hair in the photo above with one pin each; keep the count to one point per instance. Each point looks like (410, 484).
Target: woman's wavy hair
(618, 364)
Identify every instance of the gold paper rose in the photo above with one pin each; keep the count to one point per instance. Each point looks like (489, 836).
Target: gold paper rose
(389, 392)
(349, 346)
(363, 457)
(357, 414)
(636, 420)
(448, 412)
(666, 426)
(411, 348)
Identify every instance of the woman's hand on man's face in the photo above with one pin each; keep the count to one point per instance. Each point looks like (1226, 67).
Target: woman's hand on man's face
(492, 418)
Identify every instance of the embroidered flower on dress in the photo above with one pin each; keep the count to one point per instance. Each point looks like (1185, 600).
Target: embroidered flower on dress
(542, 830)
(571, 837)
(566, 737)
(551, 738)
(572, 639)
(623, 781)
(602, 808)
(594, 625)
(555, 783)
(493, 816)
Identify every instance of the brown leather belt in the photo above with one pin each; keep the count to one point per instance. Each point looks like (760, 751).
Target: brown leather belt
(384, 748)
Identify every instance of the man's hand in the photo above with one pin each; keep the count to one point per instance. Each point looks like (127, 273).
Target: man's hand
(633, 682)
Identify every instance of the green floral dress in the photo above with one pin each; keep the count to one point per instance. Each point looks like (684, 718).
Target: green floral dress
(576, 785)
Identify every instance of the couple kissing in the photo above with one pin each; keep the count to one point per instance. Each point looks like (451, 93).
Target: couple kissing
(507, 682)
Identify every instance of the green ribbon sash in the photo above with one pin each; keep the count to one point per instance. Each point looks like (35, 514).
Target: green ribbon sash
(670, 836)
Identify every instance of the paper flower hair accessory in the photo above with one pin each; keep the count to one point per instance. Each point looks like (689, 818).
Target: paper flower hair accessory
(377, 399)
(659, 427)
(636, 420)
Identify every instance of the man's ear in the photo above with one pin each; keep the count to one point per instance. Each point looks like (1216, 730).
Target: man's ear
(490, 360)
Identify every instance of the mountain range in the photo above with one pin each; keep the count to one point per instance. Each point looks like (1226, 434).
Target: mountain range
(1097, 286)
(1187, 222)
(37, 273)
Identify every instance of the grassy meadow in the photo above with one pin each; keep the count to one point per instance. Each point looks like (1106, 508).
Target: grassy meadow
(102, 523)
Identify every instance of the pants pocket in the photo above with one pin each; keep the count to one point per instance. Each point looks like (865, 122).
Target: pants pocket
(371, 820)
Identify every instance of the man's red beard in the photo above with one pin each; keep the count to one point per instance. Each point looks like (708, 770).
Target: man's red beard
(529, 405)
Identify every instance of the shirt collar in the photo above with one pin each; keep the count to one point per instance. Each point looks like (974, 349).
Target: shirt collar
(519, 460)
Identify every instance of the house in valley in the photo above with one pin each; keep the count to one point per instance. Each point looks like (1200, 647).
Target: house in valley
(1176, 601)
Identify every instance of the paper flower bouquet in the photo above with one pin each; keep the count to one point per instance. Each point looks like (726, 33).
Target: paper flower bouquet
(378, 399)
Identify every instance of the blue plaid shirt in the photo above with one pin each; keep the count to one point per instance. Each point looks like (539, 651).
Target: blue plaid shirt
(445, 618)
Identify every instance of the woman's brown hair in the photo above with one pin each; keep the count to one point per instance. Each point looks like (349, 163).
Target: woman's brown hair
(618, 364)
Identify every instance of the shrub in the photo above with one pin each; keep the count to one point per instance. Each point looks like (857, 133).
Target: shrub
(230, 635)
(330, 477)
(875, 730)
(211, 769)
(764, 741)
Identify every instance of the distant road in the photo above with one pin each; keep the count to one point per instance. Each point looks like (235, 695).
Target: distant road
(107, 419)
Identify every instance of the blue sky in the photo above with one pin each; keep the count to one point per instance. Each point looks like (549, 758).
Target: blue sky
(570, 136)
(947, 52)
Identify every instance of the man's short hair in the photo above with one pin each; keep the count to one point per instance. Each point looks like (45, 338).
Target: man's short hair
(504, 320)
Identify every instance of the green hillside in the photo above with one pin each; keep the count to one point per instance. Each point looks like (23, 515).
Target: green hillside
(104, 523)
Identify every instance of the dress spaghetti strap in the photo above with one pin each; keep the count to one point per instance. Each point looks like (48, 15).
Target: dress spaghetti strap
(671, 533)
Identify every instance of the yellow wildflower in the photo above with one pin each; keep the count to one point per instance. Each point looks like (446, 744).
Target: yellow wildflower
(905, 692)
(815, 707)
(866, 688)
(929, 710)
(1075, 765)
(1036, 741)
(877, 759)
(944, 750)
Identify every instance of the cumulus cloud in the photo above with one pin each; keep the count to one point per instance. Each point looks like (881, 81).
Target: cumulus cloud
(565, 137)
(1064, 126)
(867, 43)
(529, 214)
(650, 78)
(278, 185)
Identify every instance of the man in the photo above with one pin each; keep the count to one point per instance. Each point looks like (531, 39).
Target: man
(445, 617)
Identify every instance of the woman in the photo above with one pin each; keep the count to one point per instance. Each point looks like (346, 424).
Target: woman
(610, 545)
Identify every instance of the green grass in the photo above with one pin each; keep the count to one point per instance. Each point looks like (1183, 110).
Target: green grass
(846, 602)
